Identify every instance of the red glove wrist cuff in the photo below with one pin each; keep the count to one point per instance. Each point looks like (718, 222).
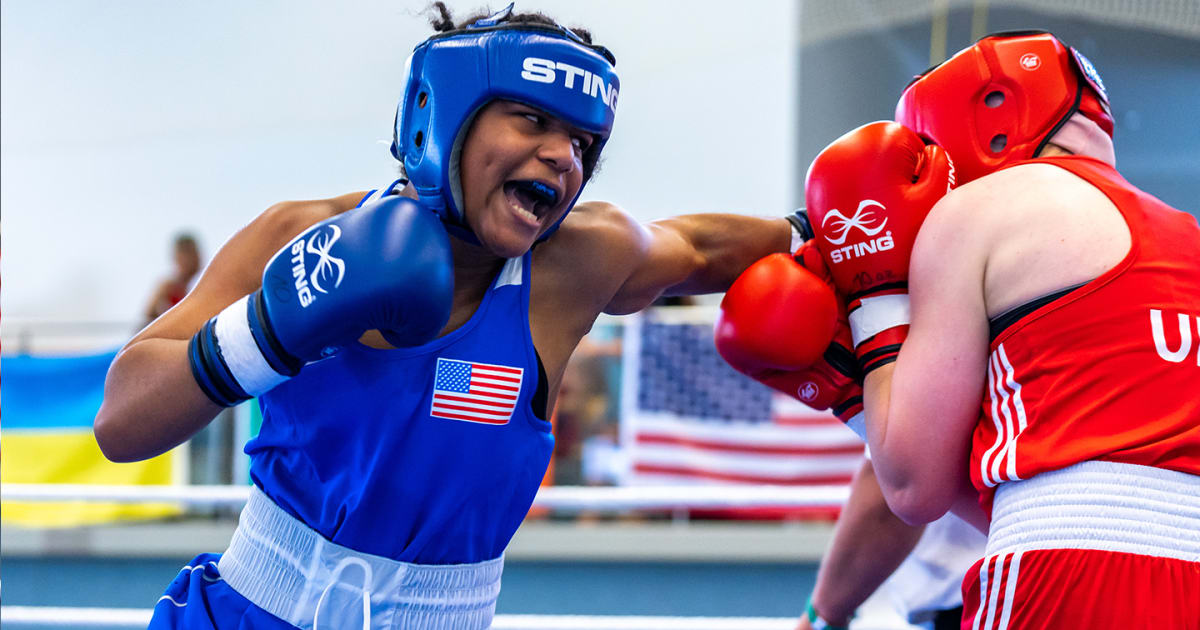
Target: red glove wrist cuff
(881, 349)
(879, 324)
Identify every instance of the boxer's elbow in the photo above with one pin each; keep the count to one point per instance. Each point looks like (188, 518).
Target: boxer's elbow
(127, 430)
(915, 509)
(116, 424)
(151, 402)
(131, 431)
(916, 499)
(112, 436)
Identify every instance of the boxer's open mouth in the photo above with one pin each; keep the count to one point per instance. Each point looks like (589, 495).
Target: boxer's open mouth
(531, 197)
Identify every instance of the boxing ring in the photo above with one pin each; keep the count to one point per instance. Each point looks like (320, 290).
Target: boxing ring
(114, 618)
(564, 498)
(671, 505)
(558, 498)
(46, 617)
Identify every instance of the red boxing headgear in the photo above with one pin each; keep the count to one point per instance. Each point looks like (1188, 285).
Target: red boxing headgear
(1000, 100)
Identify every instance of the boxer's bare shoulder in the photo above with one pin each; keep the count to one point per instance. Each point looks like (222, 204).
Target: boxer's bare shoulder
(237, 266)
(1039, 229)
(598, 247)
(288, 218)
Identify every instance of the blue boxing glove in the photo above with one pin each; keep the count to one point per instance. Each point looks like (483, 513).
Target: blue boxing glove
(384, 266)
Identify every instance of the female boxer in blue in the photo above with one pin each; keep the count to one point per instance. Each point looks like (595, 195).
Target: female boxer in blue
(406, 344)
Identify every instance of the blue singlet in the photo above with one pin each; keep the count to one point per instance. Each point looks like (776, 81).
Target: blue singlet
(429, 454)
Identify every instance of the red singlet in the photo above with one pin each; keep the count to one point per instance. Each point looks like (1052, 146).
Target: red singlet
(1110, 371)
(1087, 456)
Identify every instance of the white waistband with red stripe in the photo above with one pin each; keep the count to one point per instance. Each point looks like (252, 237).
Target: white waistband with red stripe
(1106, 506)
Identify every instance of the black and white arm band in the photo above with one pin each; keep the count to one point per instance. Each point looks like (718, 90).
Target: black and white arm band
(227, 356)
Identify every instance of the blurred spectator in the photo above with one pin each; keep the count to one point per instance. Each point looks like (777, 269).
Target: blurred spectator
(586, 413)
(587, 429)
(185, 254)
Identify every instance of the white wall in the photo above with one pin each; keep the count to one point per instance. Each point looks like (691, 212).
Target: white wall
(124, 122)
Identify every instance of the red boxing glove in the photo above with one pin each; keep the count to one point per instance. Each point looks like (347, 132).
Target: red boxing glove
(776, 315)
(867, 194)
(782, 326)
(833, 383)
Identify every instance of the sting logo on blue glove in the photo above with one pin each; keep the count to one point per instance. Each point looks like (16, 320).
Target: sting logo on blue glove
(327, 264)
(405, 291)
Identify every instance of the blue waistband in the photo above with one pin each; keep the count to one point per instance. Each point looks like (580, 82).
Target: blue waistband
(294, 573)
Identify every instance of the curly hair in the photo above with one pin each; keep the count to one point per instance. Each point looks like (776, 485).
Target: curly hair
(442, 21)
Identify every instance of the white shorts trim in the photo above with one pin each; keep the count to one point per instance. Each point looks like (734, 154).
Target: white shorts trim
(294, 573)
(1105, 506)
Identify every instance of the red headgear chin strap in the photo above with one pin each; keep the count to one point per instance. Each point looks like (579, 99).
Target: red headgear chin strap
(1000, 100)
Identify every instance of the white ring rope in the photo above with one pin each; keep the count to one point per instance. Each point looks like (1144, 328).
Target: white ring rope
(569, 498)
(614, 622)
(52, 617)
(553, 497)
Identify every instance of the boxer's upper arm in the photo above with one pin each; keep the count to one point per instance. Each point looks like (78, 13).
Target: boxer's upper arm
(236, 269)
(693, 254)
(938, 380)
(151, 400)
(604, 247)
(659, 259)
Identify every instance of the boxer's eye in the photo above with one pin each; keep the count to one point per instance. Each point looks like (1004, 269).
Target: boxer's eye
(582, 141)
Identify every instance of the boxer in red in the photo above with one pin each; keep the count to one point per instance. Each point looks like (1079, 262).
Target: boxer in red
(1036, 347)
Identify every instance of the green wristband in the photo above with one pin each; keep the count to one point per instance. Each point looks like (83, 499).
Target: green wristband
(817, 622)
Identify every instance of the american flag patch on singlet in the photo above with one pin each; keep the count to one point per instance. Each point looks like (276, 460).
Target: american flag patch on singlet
(475, 392)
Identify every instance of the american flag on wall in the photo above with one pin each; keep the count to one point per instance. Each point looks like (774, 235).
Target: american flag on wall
(688, 418)
(475, 392)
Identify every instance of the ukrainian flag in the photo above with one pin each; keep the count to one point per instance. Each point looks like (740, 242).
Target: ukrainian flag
(48, 407)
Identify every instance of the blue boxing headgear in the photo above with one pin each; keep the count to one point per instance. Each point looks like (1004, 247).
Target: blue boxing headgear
(451, 76)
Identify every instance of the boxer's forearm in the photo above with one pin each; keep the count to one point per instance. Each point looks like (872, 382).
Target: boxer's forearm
(720, 247)
(151, 402)
(920, 466)
(868, 544)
